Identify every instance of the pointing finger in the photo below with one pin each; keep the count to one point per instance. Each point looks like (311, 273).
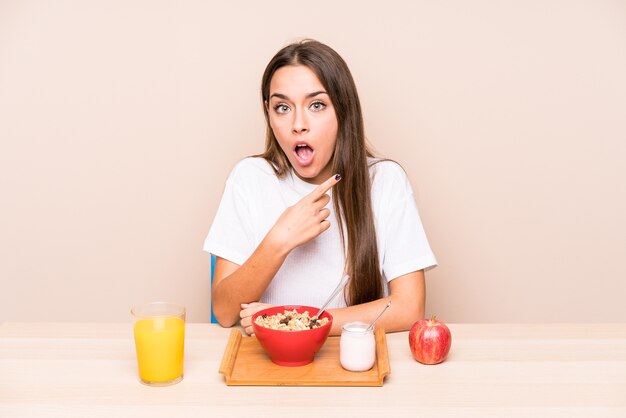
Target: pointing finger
(326, 186)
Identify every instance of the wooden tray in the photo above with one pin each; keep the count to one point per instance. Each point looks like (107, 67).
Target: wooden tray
(245, 363)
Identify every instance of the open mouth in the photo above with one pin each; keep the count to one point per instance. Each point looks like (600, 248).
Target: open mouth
(304, 153)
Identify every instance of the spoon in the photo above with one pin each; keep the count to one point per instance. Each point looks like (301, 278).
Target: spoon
(332, 296)
(379, 315)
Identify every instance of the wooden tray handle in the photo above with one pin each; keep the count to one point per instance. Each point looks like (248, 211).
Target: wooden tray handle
(230, 353)
(381, 354)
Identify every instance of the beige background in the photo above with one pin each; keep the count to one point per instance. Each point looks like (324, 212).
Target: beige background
(120, 120)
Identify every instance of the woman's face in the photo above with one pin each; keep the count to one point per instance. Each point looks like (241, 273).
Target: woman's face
(303, 120)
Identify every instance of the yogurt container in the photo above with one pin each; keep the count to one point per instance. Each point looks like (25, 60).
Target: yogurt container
(357, 347)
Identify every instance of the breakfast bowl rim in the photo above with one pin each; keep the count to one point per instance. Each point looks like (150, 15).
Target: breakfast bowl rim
(259, 313)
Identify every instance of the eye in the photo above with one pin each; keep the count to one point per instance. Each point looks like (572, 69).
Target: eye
(317, 106)
(281, 108)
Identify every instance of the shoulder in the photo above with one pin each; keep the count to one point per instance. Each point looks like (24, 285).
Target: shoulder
(252, 169)
(390, 182)
(383, 172)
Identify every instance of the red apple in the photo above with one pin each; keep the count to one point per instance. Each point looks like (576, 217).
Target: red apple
(430, 341)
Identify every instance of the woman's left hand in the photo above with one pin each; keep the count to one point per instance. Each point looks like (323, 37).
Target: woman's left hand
(247, 310)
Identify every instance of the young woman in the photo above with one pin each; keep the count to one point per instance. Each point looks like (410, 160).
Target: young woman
(316, 206)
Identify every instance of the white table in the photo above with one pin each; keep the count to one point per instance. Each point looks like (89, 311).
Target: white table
(89, 370)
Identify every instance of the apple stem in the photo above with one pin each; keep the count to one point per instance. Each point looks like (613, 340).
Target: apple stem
(432, 320)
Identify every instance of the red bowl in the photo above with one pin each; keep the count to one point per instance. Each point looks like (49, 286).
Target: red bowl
(291, 348)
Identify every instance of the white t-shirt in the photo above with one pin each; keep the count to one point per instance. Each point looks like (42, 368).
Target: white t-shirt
(254, 198)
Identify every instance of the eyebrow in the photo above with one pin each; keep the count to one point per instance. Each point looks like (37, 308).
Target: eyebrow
(308, 96)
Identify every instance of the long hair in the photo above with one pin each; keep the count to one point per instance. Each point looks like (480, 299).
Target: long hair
(352, 195)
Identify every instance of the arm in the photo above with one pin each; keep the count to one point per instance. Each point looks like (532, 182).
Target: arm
(406, 244)
(234, 285)
(407, 294)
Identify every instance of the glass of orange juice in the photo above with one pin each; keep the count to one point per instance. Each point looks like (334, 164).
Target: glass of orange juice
(159, 329)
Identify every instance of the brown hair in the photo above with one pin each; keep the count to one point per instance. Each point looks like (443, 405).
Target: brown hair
(352, 195)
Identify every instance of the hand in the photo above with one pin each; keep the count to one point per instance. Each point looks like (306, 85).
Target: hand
(305, 220)
(247, 310)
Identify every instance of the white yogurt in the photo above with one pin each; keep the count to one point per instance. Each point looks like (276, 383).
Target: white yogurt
(357, 347)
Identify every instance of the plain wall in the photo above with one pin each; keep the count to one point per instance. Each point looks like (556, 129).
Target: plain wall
(120, 121)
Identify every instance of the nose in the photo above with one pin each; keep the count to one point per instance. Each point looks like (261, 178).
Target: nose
(300, 122)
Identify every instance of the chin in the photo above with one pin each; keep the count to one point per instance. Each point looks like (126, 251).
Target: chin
(310, 177)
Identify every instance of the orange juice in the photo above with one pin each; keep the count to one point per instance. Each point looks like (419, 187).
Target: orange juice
(160, 344)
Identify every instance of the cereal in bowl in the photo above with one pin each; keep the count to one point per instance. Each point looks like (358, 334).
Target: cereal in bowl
(290, 321)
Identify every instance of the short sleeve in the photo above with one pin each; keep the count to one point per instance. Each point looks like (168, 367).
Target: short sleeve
(406, 248)
(231, 236)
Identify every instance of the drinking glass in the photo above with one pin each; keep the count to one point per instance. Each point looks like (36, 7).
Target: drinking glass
(159, 329)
